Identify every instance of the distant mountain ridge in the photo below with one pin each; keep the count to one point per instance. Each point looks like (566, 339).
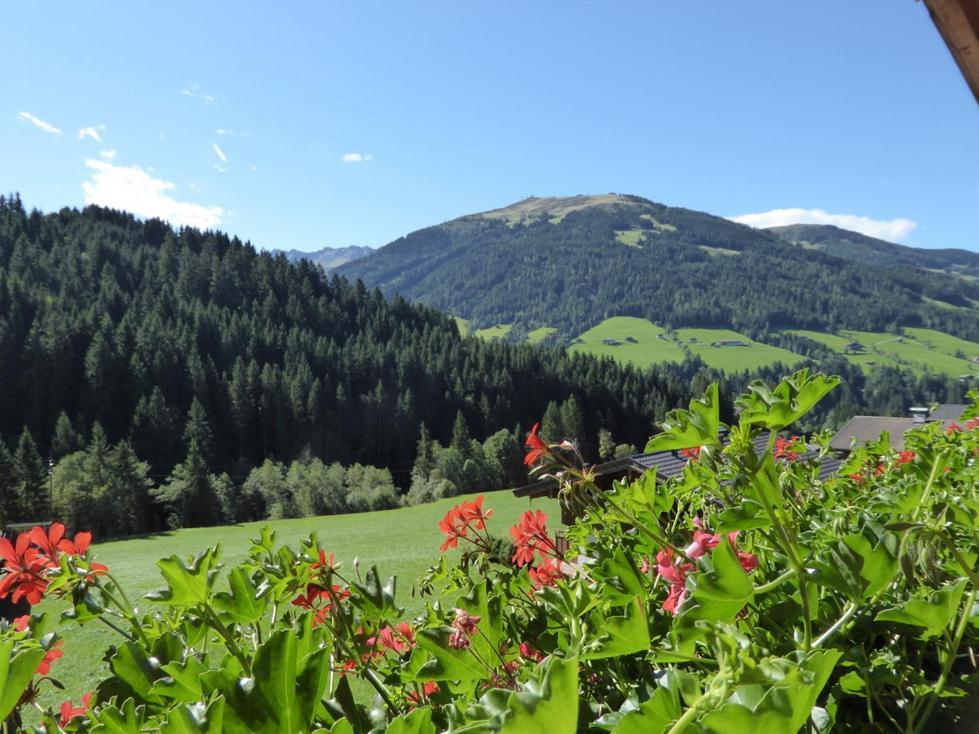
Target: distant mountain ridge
(570, 262)
(329, 257)
(872, 251)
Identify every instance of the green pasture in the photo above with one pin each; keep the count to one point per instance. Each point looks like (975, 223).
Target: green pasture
(652, 344)
(402, 543)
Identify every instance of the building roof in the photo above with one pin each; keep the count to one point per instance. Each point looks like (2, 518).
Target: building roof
(958, 22)
(864, 428)
(948, 412)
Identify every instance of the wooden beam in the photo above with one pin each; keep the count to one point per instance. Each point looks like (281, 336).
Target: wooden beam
(958, 22)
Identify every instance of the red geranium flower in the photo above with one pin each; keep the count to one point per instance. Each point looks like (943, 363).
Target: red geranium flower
(454, 526)
(49, 657)
(905, 457)
(472, 512)
(398, 639)
(69, 711)
(693, 454)
(23, 571)
(536, 445)
(529, 652)
(547, 573)
(48, 542)
(786, 448)
(530, 536)
(416, 698)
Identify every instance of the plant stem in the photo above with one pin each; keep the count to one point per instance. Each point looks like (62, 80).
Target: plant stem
(949, 661)
(765, 588)
(848, 612)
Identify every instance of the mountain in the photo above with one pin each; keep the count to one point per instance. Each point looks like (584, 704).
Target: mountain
(570, 262)
(871, 251)
(330, 258)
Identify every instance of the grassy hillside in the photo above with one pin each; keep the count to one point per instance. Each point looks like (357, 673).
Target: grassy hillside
(733, 358)
(642, 343)
(917, 349)
(651, 344)
(402, 543)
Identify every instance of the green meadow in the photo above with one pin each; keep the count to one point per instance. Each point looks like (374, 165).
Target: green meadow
(402, 543)
(917, 349)
(651, 344)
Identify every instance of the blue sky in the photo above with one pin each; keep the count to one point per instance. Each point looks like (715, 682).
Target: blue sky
(300, 125)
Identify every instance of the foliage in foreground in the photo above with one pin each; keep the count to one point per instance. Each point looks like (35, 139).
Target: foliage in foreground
(743, 596)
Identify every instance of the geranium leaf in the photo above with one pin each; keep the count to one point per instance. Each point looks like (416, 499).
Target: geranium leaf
(782, 406)
(16, 671)
(684, 429)
(724, 591)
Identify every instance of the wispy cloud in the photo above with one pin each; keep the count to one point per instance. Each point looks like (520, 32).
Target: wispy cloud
(219, 153)
(134, 190)
(892, 230)
(195, 92)
(38, 122)
(356, 157)
(109, 154)
(94, 132)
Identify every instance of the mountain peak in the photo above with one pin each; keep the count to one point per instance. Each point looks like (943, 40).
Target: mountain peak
(554, 208)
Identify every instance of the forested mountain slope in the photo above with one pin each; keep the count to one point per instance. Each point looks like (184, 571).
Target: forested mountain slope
(872, 251)
(107, 318)
(571, 262)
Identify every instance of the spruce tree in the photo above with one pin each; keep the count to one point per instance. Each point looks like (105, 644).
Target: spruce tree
(30, 480)
(66, 439)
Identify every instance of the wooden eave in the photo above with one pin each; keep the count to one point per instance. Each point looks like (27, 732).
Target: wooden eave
(958, 22)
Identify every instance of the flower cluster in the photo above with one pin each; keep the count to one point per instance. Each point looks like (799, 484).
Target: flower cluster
(788, 449)
(463, 628)
(321, 599)
(674, 570)
(28, 561)
(460, 520)
(531, 541)
(398, 639)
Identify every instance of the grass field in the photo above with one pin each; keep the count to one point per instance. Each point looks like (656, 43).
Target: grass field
(538, 335)
(734, 359)
(647, 350)
(402, 543)
(494, 332)
(652, 345)
(462, 324)
(921, 350)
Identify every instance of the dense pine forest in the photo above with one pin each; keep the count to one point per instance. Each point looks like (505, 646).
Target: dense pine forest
(571, 262)
(206, 358)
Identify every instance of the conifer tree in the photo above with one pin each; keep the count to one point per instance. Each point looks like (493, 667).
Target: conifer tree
(30, 479)
(66, 439)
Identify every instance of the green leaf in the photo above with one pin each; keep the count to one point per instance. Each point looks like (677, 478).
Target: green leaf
(133, 669)
(373, 598)
(416, 722)
(621, 577)
(182, 682)
(781, 708)
(791, 399)
(275, 679)
(622, 634)
(548, 707)
(684, 429)
(934, 612)
(653, 716)
(187, 585)
(724, 591)
(195, 718)
(857, 567)
(126, 719)
(446, 662)
(16, 671)
(242, 603)
(748, 515)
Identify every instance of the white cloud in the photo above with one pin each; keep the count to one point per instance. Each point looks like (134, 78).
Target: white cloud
(356, 157)
(219, 153)
(892, 230)
(224, 131)
(95, 133)
(38, 122)
(195, 92)
(134, 190)
(109, 154)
